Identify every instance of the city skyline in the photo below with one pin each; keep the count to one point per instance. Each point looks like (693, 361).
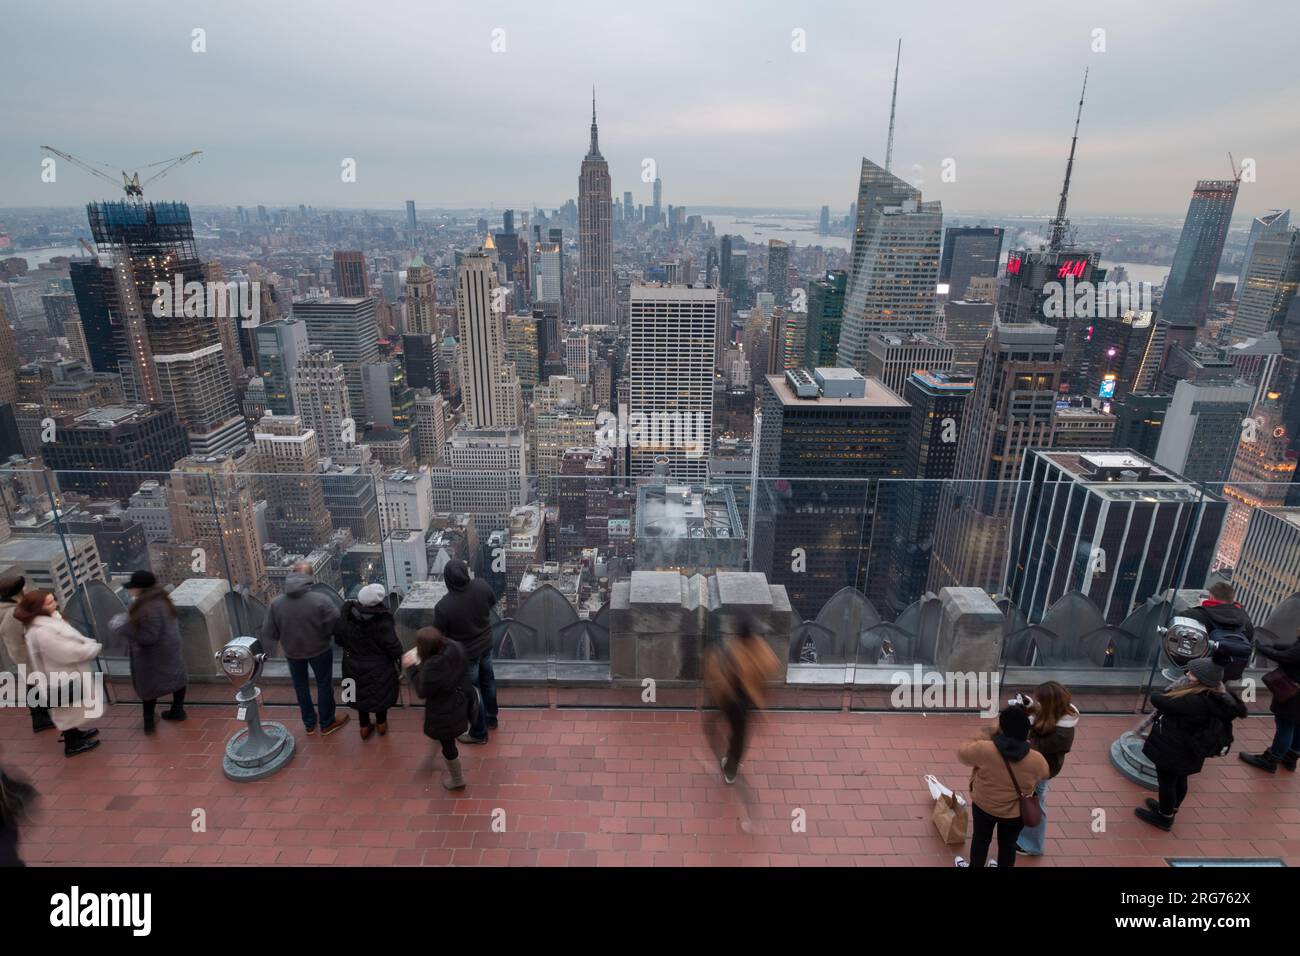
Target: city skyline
(724, 110)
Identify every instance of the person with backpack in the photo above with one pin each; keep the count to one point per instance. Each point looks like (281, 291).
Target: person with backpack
(1051, 732)
(371, 652)
(1005, 771)
(1193, 722)
(1285, 705)
(1228, 627)
(438, 673)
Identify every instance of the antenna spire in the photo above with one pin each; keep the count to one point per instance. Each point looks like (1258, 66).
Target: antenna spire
(1060, 224)
(893, 103)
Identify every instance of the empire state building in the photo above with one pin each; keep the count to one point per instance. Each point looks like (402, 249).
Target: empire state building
(595, 293)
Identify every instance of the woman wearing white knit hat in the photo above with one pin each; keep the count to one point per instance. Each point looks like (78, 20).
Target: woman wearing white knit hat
(371, 652)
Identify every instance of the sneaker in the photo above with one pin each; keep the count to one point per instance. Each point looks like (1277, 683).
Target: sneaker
(339, 721)
(468, 738)
(728, 776)
(1155, 818)
(990, 863)
(961, 863)
(1153, 804)
(1289, 761)
(366, 731)
(80, 747)
(1265, 761)
(174, 714)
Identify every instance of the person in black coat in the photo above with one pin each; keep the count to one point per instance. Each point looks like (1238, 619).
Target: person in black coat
(464, 614)
(1285, 748)
(16, 800)
(371, 655)
(153, 639)
(439, 676)
(1184, 715)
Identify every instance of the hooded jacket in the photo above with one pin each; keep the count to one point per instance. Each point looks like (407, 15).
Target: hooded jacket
(300, 621)
(1170, 744)
(1055, 745)
(1288, 658)
(1214, 614)
(990, 784)
(371, 652)
(153, 639)
(465, 612)
(441, 682)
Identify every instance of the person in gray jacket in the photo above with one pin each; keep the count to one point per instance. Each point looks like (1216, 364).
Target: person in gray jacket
(153, 639)
(13, 636)
(302, 623)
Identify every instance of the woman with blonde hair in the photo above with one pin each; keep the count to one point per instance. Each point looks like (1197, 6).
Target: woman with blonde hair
(1193, 722)
(1051, 732)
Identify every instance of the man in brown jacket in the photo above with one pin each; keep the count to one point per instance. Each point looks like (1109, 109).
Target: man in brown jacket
(1005, 768)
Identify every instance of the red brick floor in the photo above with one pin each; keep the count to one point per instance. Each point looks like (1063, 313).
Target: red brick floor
(604, 788)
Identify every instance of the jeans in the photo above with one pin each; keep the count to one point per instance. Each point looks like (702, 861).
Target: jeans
(480, 674)
(1033, 839)
(982, 827)
(1173, 791)
(323, 667)
(1286, 737)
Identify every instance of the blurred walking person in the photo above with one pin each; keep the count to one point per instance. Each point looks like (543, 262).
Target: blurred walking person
(464, 615)
(438, 673)
(61, 655)
(14, 640)
(16, 800)
(1285, 749)
(371, 652)
(1005, 768)
(302, 622)
(1192, 723)
(735, 671)
(1051, 732)
(153, 640)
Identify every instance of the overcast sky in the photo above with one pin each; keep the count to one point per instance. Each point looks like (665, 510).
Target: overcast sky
(711, 90)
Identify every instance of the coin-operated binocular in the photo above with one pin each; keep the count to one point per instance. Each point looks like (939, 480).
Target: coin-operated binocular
(1186, 639)
(260, 748)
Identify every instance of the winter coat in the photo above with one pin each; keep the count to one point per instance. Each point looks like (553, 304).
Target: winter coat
(13, 635)
(441, 682)
(57, 648)
(1288, 658)
(371, 652)
(1170, 743)
(735, 671)
(300, 620)
(153, 639)
(1214, 614)
(1055, 745)
(990, 784)
(464, 613)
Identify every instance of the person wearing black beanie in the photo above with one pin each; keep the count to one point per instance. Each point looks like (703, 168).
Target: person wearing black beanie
(1004, 768)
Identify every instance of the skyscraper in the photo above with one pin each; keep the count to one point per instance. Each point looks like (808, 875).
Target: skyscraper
(594, 299)
(1202, 428)
(289, 467)
(670, 354)
(488, 383)
(347, 328)
(321, 399)
(411, 224)
(1196, 260)
(778, 270)
(350, 278)
(1271, 283)
(825, 316)
(280, 345)
(895, 263)
(420, 298)
(968, 252)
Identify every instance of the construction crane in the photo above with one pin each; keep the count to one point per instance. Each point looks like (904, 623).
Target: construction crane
(130, 179)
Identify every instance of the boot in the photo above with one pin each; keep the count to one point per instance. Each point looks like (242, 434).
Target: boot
(1289, 761)
(174, 713)
(455, 780)
(1265, 761)
(41, 720)
(1154, 817)
(382, 728)
(75, 742)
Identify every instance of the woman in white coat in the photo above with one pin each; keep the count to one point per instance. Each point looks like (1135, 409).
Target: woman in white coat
(62, 655)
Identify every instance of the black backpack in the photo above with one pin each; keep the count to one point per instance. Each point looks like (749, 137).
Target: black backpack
(1213, 738)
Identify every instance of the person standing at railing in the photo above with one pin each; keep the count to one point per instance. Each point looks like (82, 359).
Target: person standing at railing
(464, 614)
(12, 635)
(1051, 732)
(438, 674)
(371, 651)
(1004, 769)
(1193, 722)
(301, 622)
(61, 655)
(153, 639)
(1285, 749)
(735, 670)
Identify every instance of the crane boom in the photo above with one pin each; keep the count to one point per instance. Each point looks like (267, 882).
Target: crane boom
(130, 183)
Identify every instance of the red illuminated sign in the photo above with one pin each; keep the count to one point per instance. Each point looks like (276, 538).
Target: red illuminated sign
(1013, 266)
(1072, 267)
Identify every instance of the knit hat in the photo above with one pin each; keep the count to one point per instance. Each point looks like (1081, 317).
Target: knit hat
(1206, 671)
(11, 586)
(372, 595)
(1014, 723)
(141, 580)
